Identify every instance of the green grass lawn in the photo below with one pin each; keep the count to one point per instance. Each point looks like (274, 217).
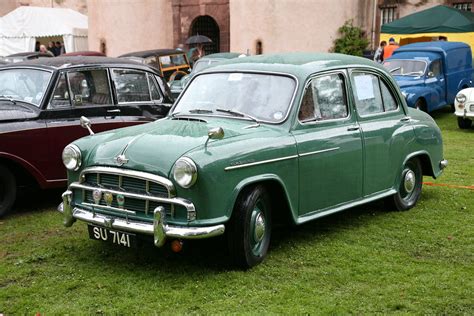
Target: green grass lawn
(362, 261)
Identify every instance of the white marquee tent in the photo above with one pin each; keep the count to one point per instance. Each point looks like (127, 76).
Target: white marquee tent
(21, 28)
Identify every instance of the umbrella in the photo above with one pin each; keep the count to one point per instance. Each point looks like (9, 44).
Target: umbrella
(198, 39)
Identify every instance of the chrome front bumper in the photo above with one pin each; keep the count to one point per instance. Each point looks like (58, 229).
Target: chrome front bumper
(158, 229)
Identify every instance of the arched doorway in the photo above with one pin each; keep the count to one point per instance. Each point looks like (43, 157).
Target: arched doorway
(207, 26)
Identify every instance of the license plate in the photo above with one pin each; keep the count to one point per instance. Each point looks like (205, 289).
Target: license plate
(112, 236)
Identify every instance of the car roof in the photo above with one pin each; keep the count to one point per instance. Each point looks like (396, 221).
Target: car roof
(229, 55)
(435, 46)
(300, 65)
(29, 54)
(153, 52)
(79, 61)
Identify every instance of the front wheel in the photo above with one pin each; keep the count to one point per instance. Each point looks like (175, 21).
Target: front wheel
(7, 190)
(249, 229)
(409, 189)
(464, 123)
(421, 105)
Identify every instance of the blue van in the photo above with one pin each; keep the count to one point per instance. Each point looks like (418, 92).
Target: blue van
(430, 74)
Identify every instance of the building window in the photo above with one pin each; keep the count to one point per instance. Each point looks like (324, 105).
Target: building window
(388, 14)
(466, 6)
(258, 48)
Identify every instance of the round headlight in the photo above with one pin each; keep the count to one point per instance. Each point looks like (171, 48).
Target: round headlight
(72, 157)
(461, 98)
(185, 172)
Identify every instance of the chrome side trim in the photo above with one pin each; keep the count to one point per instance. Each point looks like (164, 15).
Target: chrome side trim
(259, 162)
(318, 152)
(159, 229)
(131, 173)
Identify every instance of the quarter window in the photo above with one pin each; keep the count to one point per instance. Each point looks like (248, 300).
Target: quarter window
(131, 86)
(89, 87)
(61, 94)
(372, 95)
(325, 99)
(154, 92)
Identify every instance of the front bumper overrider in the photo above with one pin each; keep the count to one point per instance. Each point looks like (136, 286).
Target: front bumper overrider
(159, 229)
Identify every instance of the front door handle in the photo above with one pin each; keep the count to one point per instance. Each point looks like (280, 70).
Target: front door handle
(113, 111)
(353, 128)
(405, 119)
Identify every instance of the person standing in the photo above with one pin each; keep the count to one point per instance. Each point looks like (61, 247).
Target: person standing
(390, 48)
(378, 56)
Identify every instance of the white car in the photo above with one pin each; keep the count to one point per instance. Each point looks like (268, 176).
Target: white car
(464, 107)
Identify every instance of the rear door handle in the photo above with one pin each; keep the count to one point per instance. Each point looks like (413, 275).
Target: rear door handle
(353, 128)
(113, 111)
(405, 119)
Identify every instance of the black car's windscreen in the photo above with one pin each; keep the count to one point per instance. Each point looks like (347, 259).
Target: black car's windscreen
(266, 97)
(27, 85)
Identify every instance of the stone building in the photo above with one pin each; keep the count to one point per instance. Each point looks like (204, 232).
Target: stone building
(263, 26)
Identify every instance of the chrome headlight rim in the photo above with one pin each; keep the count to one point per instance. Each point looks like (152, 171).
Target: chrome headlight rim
(77, 157)
(461, 98)
(191, 174)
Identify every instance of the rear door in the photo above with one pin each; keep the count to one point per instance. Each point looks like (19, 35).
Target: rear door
(386, 130)
(139, 96)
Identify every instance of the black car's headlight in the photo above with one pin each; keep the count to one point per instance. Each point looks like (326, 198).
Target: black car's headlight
(72, 157)
(185, 172)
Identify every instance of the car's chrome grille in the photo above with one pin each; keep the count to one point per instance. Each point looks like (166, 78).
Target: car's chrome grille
(137, 208)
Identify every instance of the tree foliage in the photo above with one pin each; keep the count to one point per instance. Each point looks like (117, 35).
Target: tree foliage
(352, 40)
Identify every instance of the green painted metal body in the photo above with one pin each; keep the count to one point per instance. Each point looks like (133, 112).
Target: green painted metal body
(322, 167)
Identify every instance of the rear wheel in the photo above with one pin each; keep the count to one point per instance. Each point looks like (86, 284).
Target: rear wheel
(7, 190)
(409, 189)
(249, 229)
(464, 123)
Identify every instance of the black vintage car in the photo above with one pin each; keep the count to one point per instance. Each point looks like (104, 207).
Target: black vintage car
(41, 102)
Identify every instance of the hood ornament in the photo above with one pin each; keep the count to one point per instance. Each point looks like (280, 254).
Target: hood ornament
(120, 160)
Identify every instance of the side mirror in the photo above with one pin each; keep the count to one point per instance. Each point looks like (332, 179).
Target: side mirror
(431, 74)
(86, 123)
(215, 133)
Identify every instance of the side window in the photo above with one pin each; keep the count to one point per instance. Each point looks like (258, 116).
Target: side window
(89, 87)
(435, 68)
(60, 96)
(367, 95)
(154, 91)
(325, 99)
(131, 86)
(389, 102)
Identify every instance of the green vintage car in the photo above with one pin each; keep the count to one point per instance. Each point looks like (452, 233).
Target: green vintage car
(284, 137)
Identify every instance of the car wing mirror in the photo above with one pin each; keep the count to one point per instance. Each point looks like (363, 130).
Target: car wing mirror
(215, 133)
(86, 123)
(430, 74)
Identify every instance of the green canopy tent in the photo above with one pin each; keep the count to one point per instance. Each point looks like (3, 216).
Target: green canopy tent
(432, 24)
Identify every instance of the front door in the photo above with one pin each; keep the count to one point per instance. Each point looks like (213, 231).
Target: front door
(329, 146)
(435, 80)
(82, 92)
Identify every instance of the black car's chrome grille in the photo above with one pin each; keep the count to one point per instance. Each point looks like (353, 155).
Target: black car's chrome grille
(132, 207)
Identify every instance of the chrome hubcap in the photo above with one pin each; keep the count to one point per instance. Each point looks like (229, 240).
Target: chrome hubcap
(409, 181)
(259, 231)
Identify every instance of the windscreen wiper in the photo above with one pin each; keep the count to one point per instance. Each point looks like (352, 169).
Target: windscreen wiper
(6, 98)
(200, 111)
(240, 114)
